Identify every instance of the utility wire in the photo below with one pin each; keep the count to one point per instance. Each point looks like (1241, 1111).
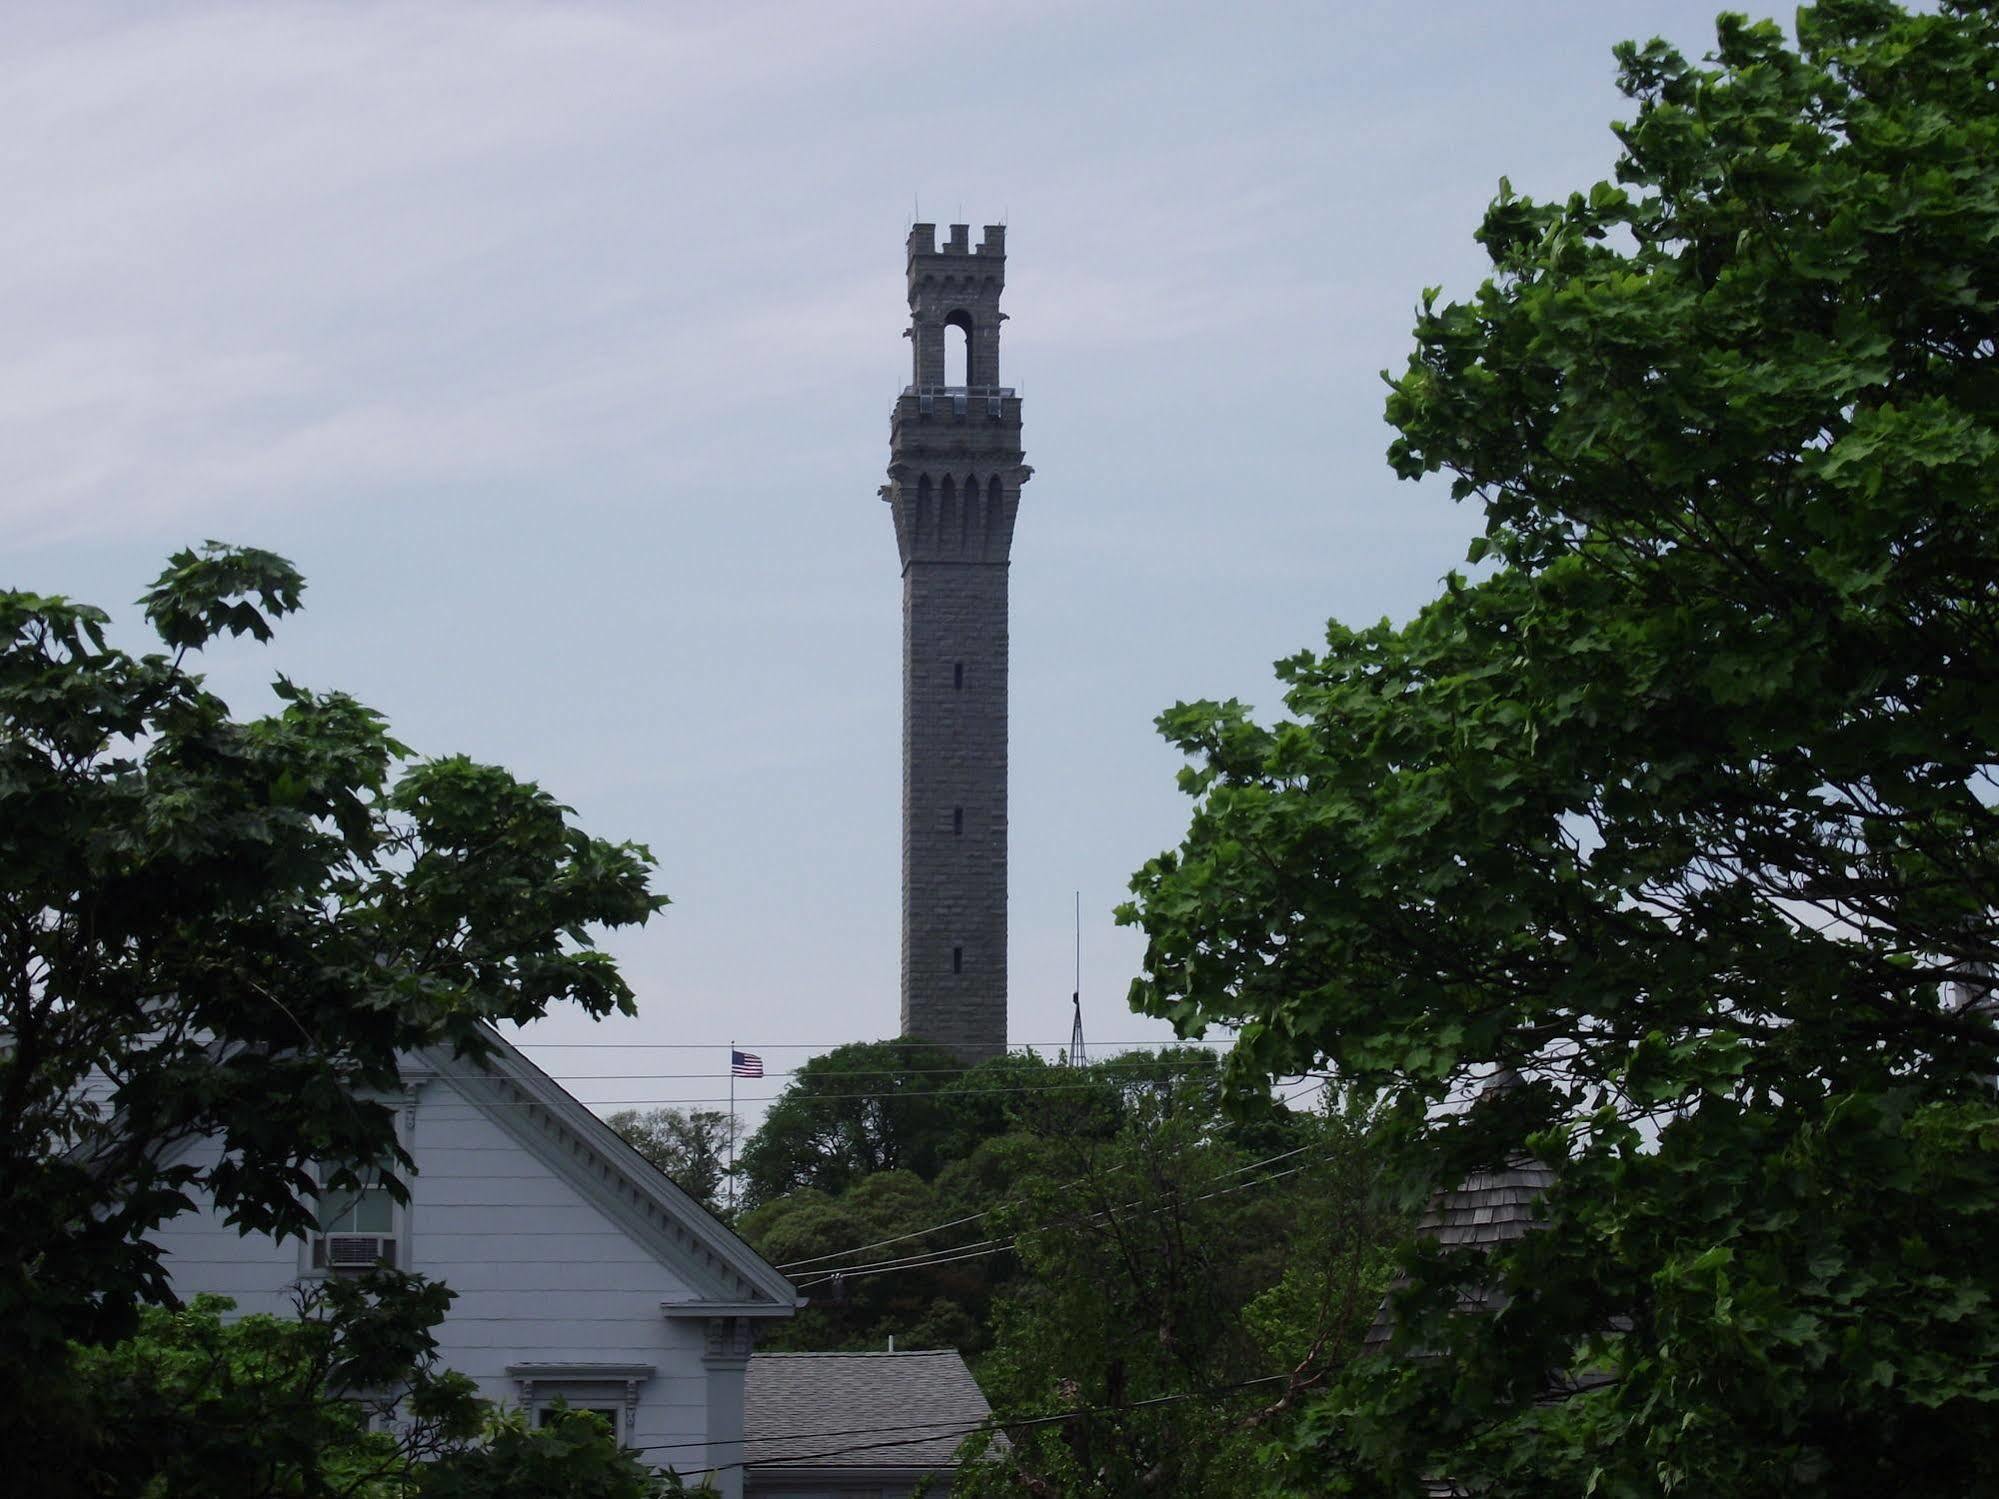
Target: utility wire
(809, 1097)
(945, 1256)
(964, 1428)
(972, 1252)
(825, 1046)
(952, 1252)
(1128, 1074)
(1113, 1065)
(840, 1254)
(867, 1271)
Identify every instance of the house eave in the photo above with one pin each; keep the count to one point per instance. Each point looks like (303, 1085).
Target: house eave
(504, 1063)
(731, 1308)
(580, 1373)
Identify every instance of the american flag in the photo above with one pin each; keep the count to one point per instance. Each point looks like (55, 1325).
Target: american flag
(745, 1064)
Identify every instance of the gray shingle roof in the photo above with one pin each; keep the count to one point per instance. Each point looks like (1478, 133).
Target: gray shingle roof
(889, 1400)
(1492, 1207)
(1489, 1209)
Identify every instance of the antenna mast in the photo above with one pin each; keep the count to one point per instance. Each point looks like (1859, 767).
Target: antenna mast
(1076, 1057)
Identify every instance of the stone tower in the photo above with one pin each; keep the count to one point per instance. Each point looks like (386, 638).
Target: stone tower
(955, 473)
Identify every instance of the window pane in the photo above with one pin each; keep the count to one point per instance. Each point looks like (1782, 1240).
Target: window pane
(547, 1414)
(368, 1211)
(336, 1212)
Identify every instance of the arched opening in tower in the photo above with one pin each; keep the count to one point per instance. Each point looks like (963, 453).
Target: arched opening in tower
(958, 349)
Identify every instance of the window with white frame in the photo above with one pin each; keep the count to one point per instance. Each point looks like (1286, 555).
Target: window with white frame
(609, 1392)
(357, 1223)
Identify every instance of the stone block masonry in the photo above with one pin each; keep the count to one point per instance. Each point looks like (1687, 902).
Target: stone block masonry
(955, 474)
(954, 730)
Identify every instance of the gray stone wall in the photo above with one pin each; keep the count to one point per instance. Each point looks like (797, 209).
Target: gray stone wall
(954, 729)
(954, 490)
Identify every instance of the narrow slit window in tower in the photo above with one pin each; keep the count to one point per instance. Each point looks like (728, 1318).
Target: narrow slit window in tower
(958, 675)
(957, 960)
(958, 821)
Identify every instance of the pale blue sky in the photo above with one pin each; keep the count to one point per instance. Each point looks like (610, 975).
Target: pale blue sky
(556, 345)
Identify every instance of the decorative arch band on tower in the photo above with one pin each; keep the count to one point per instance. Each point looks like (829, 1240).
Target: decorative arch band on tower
(955, 517)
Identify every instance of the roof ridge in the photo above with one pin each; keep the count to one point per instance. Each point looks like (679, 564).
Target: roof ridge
(855, 1352)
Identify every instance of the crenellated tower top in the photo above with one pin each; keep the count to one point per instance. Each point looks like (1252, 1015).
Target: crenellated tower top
(957, 286)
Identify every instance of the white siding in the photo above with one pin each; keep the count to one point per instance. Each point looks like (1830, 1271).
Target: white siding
(542, 1275)
(204, 1254)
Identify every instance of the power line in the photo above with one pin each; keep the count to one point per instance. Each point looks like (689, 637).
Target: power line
(1133, 1076)
(962, 1428)
(827, 1046)
(805, 1097)
(996, 1207)
(914, 1261)
(867, 1271)
(1112, 1065)
(840, 1254)
(972, 1252)
(814, 1436)
(1109, 1073)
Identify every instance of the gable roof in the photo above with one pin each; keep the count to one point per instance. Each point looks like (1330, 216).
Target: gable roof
(602, 1165)
(870, 1410)
(568, 1139)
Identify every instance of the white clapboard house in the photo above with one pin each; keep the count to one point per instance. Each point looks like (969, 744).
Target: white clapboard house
(583, 1274)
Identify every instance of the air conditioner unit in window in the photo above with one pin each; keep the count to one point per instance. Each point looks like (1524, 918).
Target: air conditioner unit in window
(352, 1253)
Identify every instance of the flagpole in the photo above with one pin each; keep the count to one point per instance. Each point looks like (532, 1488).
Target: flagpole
(731, 1128)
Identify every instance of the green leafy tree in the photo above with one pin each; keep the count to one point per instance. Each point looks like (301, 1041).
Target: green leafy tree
(195, 1405)
(905, 1105)
(893, 1253)
(861, 1300)
(344, 1401)
(692, 1146)
(831, 1174)
(1178, 1293)
(212, 927)
(1685, 810)
(573, 1456)
(859, 1109)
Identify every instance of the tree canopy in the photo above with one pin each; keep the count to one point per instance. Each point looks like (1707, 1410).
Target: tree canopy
(874, 1106)
(229, 929)
(346, 1400)
(1146, 1281)
(691, 1146)
(1178, 1288)
(1683, 806)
